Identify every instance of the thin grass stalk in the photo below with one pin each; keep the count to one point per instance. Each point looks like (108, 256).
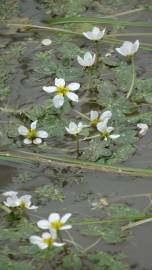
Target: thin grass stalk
(28, 157)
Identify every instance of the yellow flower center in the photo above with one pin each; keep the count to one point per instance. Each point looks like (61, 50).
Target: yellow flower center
(23, 205)
(49, 241)
(56, 225)
(63, 91)
(105, 135)
(32, 134)
(95, 122)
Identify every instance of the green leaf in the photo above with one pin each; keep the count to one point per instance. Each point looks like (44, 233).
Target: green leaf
(111, 233)
(105, 261)
(72, 261)
(96, 150)
(82, 19)
(124, 76)
(143, 118)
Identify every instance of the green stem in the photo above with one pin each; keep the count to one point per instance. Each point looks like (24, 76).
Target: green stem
(88, 75)
(61, 240)
(29, 157)
(77, 145)
(97, 52)
(133, 78)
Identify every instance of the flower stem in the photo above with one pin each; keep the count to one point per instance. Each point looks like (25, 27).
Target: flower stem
(88, 77)
(61, 240)
(97, 52)
(133, 78)
(77, 145)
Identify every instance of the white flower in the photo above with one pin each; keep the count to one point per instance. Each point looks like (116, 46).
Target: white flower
(61, 91)
(95, 118)
(143, 128)
(32, 135)
(14, 201)
(128, 48)
(105, 131)
(46, 42)
(46, 240)
(74, 129)
(25, 202)
(88, 59)
(95, 34)
(55, 222)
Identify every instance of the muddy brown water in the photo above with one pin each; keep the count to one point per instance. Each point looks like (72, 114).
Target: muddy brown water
(27, 89)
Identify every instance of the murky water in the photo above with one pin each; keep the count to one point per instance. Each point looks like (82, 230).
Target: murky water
(26, 87)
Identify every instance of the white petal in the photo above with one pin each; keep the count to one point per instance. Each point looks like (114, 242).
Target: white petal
(93, 115)
(42, 245)
(143, 128)
(33, 207)
(59, 82)
(66, 227)
(34, 239)
(43, 224)
(42, 134)
(110, 129)
(80, 61)
(93, 59)
(10, 193)
(66, 217)
(34, 124)
(54, 217)
(68, 130)
(49, 89)
(125, 49)
(96, 30)
(27, 141)
(46, 42)
(22, 130)
(12, 202)
(102, 126)
(88, 35)
(80, 125)
(58, 101)
(26, 198)
(139, 125)
(73, 86)
(72, 96)
(58, 244)
(135, 47)
(37, 141)
(114, 136)
(106, 115)
(46, 235)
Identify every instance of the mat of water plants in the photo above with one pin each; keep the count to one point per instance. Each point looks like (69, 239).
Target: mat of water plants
(75, 135)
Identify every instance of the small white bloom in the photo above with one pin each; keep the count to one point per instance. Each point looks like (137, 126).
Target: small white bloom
(46, 42)
(14, 201)
(95, 34)
(105, 131)
(25, 202)
(32, 135)
(95, 118)
(61, 91)
(88, 59)
(46, 240)
(143, 129)
(74, 129)
(55, 222)
(128, 48)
